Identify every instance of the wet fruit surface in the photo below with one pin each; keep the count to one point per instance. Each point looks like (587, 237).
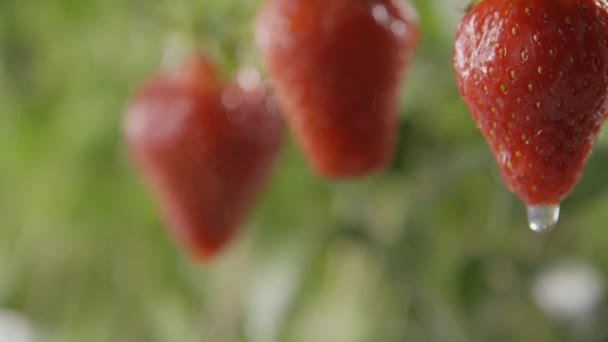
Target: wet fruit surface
(534, 76)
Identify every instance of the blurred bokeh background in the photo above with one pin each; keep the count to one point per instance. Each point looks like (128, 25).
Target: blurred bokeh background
(432, 249)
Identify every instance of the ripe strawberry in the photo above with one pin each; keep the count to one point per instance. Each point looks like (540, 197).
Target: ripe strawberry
(534, 75)
(337, 66)
(205, 149)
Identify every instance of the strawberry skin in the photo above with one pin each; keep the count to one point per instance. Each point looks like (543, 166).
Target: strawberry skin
(337, 66)
(534, 76)
(205, 149)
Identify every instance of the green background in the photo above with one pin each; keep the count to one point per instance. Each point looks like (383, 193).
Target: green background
(432, 249)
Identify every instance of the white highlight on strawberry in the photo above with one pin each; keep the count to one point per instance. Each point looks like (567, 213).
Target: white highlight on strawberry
(382, 17)
(249, 78)
(144, 120)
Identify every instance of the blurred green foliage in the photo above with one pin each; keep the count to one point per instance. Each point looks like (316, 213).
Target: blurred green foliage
(432, 249)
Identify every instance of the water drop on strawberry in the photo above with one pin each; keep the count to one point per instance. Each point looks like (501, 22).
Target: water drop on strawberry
(534, 74)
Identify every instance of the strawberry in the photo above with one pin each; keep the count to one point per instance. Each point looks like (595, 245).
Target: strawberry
(337, 67)
(205, 149)
(534, 74)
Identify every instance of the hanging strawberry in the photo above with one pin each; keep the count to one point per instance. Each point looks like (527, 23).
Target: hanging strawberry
(534, 75)
(337, 67)
(205, 149)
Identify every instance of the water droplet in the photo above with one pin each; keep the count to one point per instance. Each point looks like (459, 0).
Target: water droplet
(542, 219)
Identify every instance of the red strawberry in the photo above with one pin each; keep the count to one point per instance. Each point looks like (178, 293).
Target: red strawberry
(534, 75)
(205, 149)
(337, 66)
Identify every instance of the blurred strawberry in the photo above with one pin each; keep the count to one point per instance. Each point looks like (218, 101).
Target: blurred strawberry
(337, 67)
(205, 148)
(534, 75)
